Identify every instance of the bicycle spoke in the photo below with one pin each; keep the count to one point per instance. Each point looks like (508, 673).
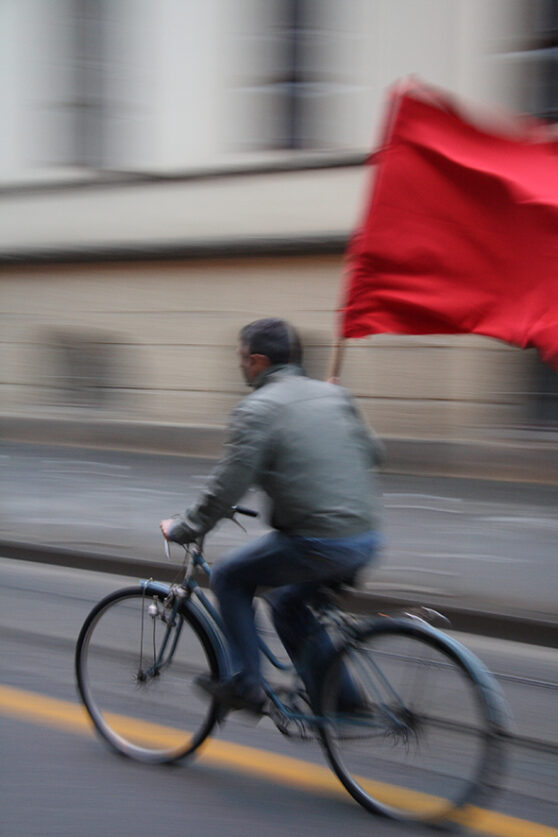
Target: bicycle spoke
(421, 743)
(132, 698)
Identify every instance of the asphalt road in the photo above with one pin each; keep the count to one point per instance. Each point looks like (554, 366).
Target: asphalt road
(487, 546)
(60, 780)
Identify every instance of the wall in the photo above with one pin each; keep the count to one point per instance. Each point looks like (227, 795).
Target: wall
(156, 342)
(157, 90)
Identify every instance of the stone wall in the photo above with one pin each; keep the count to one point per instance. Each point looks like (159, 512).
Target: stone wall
(155, 341)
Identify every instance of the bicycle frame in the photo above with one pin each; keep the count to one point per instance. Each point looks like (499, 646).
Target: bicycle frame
(189, 595)
(413, 728)
(206, 612)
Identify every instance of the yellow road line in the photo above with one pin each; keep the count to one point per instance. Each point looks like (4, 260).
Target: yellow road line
(71, 717)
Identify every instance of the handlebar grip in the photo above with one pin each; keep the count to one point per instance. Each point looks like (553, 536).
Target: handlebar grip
(245, 511)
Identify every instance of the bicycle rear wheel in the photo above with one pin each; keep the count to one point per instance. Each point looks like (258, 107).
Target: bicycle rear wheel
(426, 736)
(137, 691)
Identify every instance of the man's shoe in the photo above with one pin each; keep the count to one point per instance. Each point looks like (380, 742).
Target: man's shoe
(232, 693)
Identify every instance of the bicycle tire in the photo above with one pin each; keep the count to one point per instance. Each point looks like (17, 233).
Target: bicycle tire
(159, 718)
(426, 736)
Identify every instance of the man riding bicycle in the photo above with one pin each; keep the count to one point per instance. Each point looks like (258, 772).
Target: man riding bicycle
(303, 443)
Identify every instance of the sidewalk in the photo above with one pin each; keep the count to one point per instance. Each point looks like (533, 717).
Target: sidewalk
(528, 630)
(482, 552)
(521, 456)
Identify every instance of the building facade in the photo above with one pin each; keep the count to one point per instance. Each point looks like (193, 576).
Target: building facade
(170, 170)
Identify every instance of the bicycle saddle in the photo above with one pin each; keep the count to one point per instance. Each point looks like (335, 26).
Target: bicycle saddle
(326, 591)
(339, 584)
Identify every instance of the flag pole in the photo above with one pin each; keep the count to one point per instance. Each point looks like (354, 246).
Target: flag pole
(335, 360)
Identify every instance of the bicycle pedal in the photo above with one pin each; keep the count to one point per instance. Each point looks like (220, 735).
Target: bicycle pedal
(290, 727)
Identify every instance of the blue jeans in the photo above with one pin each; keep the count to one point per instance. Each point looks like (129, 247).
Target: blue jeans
(295, 565)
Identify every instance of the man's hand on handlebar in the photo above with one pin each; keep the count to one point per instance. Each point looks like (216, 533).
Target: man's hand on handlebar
(174, 529)
(177, 530)
(166, 527)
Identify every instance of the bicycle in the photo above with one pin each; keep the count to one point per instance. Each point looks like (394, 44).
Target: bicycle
(427, 742)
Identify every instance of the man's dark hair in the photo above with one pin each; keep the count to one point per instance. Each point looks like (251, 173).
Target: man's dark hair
(276, 339)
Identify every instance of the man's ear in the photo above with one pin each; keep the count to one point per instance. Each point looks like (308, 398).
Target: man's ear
(260, 362)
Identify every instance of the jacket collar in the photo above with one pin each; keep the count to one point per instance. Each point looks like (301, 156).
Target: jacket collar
(272, 373)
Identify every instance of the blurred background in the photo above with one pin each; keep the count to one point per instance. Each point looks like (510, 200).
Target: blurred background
(170, 170)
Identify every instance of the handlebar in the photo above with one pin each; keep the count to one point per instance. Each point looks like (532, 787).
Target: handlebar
(234, 510)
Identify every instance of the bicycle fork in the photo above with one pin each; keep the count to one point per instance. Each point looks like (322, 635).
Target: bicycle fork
(166, 613)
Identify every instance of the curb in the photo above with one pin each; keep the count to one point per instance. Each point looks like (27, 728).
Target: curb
(498, 625)
(113, 434)
(534, 460)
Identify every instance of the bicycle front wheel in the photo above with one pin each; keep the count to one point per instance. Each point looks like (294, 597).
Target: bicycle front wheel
(423, 737)
(135, 667)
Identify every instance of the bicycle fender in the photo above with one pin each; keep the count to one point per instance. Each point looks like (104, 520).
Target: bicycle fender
(206, 624)
(155, 586)
(500, 713)
(217, 639)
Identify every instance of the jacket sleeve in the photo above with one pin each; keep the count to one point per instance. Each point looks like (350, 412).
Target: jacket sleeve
(239, 467)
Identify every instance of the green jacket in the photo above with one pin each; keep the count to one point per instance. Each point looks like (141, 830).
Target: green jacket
(302, 441)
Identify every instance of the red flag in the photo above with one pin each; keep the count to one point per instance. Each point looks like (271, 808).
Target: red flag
(461, 231)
